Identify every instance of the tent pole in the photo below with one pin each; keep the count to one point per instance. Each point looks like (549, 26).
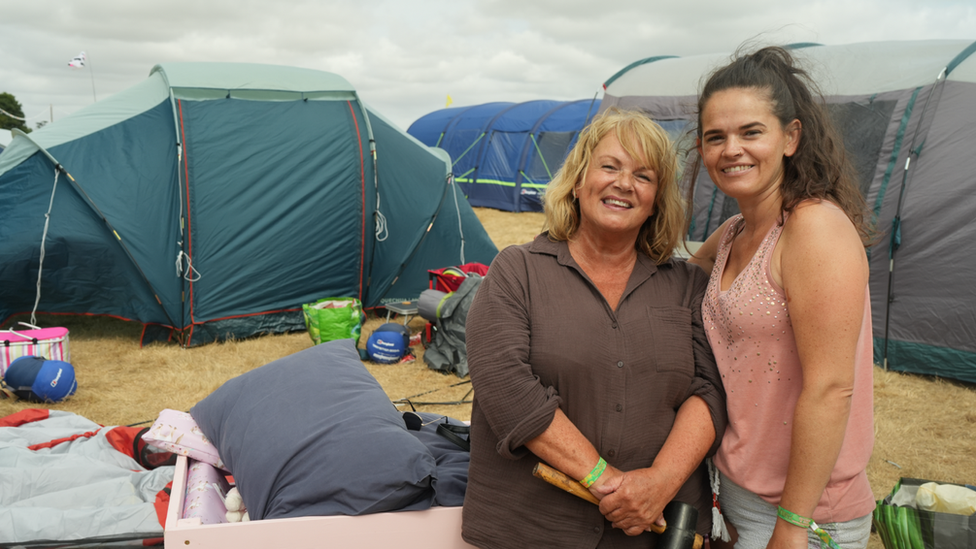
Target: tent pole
(378, 217)
(179, 192)
(590, 108)
(913, 150)
(182, 242)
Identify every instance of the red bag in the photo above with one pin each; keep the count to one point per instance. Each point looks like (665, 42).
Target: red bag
(449, 279)
(50, 343)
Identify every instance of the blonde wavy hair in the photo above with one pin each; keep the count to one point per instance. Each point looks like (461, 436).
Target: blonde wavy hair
(643, 140)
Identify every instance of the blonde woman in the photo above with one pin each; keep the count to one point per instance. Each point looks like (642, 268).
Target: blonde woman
(587, 352)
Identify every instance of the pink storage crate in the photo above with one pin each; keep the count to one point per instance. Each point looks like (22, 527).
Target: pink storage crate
(50, 343)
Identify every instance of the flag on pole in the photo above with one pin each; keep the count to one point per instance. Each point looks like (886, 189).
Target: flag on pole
(78, 61)
(449, 101)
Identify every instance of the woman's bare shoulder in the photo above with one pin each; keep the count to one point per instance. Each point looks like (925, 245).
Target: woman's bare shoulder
(820, 220)
(818, 235)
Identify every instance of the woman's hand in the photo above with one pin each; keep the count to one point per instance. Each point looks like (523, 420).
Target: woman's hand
(634, 500)
(788, 536)
(607, 483)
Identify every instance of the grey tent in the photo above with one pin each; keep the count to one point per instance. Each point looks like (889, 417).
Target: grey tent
(908, 114)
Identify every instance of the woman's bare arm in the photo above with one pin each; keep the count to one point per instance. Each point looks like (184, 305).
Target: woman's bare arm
(564, 447)
(824, 273)
(705, 255)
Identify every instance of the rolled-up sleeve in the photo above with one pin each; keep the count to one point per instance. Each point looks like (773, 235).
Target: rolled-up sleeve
(517, 406)
(707, 382)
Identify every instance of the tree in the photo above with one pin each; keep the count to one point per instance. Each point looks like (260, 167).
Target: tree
(10, 104)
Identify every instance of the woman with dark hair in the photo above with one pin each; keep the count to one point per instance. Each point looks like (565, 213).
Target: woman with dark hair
(587, 351)
(787, 310)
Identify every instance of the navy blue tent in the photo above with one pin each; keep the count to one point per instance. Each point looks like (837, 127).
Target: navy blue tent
(212, 200)
(505, 154)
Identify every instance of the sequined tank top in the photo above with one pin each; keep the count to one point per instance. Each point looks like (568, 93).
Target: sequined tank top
(750, 331)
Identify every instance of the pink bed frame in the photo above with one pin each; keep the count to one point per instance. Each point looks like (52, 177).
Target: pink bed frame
(435, 528)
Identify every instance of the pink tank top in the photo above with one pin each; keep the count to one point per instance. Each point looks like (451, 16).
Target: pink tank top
(750, 332)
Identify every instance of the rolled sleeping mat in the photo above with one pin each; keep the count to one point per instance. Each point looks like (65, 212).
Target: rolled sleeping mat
(429, 303)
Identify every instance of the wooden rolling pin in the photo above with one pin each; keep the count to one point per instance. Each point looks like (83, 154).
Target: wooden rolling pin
(562, 480)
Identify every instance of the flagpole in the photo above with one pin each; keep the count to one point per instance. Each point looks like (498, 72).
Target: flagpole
(92, 74)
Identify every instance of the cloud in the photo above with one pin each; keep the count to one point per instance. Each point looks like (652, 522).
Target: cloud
(405, 56)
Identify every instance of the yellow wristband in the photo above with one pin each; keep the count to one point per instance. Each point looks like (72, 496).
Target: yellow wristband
(594, 475)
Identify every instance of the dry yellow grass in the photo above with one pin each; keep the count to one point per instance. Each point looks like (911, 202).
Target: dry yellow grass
(122, 384)
(924, 426)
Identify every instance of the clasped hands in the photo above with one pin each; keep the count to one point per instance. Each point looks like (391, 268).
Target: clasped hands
(632, 500)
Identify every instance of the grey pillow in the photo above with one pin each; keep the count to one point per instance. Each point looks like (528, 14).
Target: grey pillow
(314, 434)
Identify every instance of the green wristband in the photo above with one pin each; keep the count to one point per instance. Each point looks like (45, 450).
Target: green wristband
(793, 518)
(804, 522)
(594, 475)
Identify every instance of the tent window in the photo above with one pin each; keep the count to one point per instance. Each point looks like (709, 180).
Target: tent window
(502, 152)
(863, 125)
(676, 128)
(678, 131)
(462, 140)
(554, 146)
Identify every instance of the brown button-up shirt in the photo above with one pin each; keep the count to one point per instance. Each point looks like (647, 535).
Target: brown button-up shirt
(540, 336)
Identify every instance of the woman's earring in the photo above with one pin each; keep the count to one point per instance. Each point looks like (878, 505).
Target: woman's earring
(574, 194)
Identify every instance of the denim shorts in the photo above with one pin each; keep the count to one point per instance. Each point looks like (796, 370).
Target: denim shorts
(754, 519)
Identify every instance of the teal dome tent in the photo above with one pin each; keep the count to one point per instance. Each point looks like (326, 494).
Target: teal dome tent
(212, 200)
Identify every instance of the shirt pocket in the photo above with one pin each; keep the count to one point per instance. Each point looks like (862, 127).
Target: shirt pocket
(671, 339)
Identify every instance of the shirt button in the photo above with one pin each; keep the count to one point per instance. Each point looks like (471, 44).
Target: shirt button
(620, 364)
(596, 529)
(614, 325)
(612, 453)
(620, 407)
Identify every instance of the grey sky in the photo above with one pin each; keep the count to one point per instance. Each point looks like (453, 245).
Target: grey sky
(404, 57)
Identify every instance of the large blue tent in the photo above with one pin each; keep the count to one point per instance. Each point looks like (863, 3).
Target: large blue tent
(212, 200)
(504, 154)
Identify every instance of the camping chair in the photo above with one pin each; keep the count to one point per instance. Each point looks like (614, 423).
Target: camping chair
(449, 278)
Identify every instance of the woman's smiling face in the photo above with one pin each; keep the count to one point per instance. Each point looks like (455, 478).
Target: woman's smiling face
(743, 144)
(618, 191)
